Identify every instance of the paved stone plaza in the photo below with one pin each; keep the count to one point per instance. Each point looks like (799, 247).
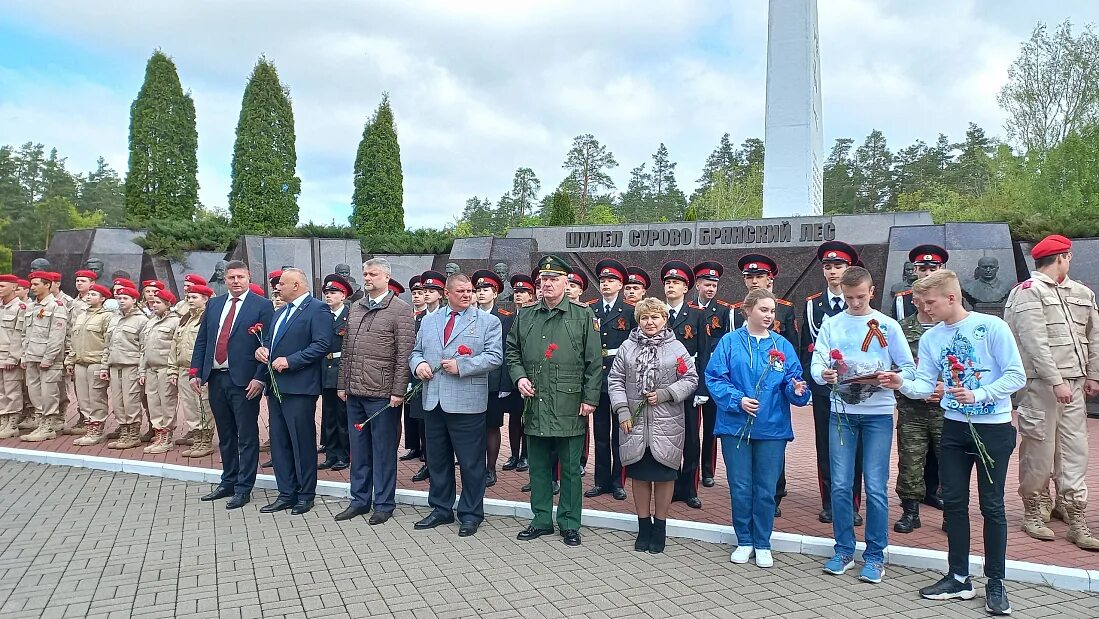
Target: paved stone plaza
(84, 543)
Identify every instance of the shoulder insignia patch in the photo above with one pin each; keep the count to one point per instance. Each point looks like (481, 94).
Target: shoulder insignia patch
(1026, 284)
(724, 303)
(813, 296)
(781, 301)
(592, 302)
(903, 293)
(503, 312)
(697, 307)
(737, 305)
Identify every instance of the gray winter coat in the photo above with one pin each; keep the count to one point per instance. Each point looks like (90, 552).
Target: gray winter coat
(660, 428)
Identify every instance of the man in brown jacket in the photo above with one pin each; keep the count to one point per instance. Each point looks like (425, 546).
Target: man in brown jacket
(373, 378)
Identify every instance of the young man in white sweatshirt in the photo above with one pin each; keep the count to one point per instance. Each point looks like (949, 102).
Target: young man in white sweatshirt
(978, 360)
(853, 349)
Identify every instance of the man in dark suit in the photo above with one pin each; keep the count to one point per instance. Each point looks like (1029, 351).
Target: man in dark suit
(224, 358)
(614, 321)
(333, 409)
(295, 346)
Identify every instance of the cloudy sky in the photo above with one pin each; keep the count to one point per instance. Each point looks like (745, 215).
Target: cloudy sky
(481, 87)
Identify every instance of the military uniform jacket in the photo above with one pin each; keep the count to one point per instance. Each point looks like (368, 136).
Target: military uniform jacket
(124, 338)
(46, 325)
(717, 313)
(335, 351)
(913, 330)
(156, 342)
(499, 380)
(183, 345)
(614, 329)
(690, 328)
(1056, 327)
(12, 315)
(817, 309)
(559, 351)
(88, 337)
(785, 323)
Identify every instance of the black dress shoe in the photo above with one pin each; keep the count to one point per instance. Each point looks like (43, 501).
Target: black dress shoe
(301, 507)
(530, 533)
(351, 512)
(422, 474)
(557, 487)
(708, 482)
(619, 494)
(238, 501)
(327, 464)
(511, 463)
(572, 537)
(778, 511)
(525, 488)
(858, 519)
(220, 492)
(411, 454)
(379, 518)
(523, 465)
(594, 492)
(694, 503)
(825, 515)
(433, 520)
(267, 465)
(468, 528)
(583, 471)
(321, 449)
(340, 465)
(278, 506)
(490, 479)
(933, 501)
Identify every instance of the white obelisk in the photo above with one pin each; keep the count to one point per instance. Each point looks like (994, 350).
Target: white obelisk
(793, 136)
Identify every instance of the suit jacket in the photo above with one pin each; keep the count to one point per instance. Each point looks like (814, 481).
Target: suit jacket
(467, 392)
(303, 338)
(690, 329)
(243, 367)
(332, 363)
(614, 329)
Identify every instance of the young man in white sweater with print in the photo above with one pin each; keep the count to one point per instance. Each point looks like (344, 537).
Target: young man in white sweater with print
(854, 351)
(978, 360)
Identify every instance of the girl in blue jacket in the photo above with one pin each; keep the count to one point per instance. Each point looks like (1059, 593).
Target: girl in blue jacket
(754, 376)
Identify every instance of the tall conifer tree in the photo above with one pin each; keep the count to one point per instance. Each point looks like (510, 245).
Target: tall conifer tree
(378, 201)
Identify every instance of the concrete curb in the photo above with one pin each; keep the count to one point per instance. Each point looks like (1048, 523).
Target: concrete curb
(1072, 579)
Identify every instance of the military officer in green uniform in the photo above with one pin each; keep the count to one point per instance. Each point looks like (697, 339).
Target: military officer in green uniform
(554, 356)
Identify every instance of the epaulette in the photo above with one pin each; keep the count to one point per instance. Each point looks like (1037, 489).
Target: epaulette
(503, 312)
(903, 293)
(592, 302)
(578, 303)
(724, 303)
(737, 305)
(783, 302)
(60, 303)
(625, 302)
(1026, 284)
(813, 296)
(697, 307)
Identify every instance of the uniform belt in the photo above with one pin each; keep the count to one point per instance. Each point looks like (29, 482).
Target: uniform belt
(610, 352)
(335, 355)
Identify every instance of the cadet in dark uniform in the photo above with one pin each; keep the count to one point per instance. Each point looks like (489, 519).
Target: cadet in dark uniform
(926, 259)
(707, 276)
(835, 257)
(689, 323)
(433, 283)
(334, 435)
(759, 271)
(637, 283)
(522, 292)
(503, 397)
(615, 320)
(412, 438)
(576, 285)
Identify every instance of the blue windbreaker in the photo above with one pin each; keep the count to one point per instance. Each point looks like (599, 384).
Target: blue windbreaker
(740, 363)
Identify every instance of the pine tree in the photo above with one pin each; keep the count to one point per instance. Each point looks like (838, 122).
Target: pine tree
(102, 191)
(723, 160)
(587, 162)
(839, 179)
(378, 201)
(162, 180)
(874, 175)
(561, 211)
(264, 191)
(668, 200)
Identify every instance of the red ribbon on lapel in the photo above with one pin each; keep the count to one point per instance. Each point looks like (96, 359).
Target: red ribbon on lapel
(872, 334)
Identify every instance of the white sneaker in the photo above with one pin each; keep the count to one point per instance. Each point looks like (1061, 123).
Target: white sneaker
(742, 554)
(764, 558)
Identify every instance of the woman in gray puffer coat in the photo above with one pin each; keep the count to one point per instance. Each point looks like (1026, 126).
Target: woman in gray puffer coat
(651, 372)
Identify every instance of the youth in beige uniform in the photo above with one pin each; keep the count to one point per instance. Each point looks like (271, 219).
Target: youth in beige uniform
(152, 373)
(46, 324)
(195, 405)
(77, 306)
(84, 362)
(12, 311)
(121, 357)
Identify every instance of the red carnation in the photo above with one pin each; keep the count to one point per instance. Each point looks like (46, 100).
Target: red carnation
(777, 355)
(680, 366)
(192, 372)
(256, 328)
(957, 367)
(549, 350)
(812, 347)
(359, 426)
(464, 350)
(836, 355)
(952, 359)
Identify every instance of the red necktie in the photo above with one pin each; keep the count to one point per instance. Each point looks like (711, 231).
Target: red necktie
(449, 327)
(221, 349)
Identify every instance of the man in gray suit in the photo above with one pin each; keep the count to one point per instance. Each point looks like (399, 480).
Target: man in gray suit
(454, 353)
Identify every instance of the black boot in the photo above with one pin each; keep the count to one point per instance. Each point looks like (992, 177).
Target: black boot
(658, 536)
(910, 520)
(644, 531)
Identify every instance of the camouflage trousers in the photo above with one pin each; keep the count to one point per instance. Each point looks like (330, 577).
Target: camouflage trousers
(919, 430)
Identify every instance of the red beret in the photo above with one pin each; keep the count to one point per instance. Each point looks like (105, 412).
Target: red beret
(1051, 246)
(86, 274)
(166, 296)
(102, 290)
(52, 276)
(8, 278)
(23, 283)
(256, 288)
(194, 279)
(42, 275)
(152, 283)
(129, 292)
(205, 291)
(125, 283)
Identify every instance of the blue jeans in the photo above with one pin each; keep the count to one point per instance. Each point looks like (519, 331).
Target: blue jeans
(753, 467)
(875, 435)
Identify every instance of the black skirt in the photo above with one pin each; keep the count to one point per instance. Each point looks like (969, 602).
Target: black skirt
(497, 406)
(648, 469)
